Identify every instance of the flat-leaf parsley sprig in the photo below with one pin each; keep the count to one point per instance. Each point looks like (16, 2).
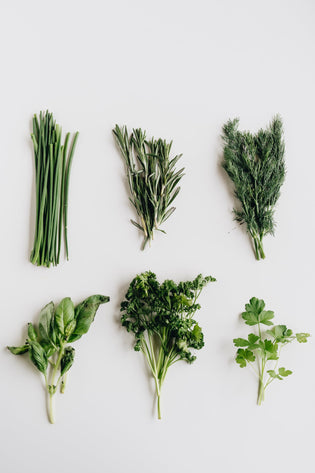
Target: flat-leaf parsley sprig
(261, 350)
(152, 178)
(255, 164)
(161, 317)
(48, 344)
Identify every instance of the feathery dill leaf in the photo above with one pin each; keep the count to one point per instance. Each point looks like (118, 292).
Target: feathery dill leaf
(161, 317)
(152, 178)
(255, 164)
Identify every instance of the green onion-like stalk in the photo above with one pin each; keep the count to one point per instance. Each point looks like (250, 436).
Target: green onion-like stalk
(52, 174)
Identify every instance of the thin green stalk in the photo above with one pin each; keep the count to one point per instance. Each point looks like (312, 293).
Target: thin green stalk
(52, 184)
(66, 191)
(63, 383)
(52, 387)
(62, 196)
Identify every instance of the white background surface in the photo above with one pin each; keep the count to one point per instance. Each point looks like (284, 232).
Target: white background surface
(178, 69)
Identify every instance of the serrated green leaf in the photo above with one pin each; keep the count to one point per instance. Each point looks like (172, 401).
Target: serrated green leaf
(283, 372)
(269, 346)
(197, 333)
(272, 373)
(256, 306)
(250, 318)
(266, 316)
(302, 337)
(279, 332)
(244, 356)
(240, 342)
(252, 338)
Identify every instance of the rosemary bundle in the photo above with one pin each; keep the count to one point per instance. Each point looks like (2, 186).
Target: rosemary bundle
(52, 168)
(255, 164)
(152, 178)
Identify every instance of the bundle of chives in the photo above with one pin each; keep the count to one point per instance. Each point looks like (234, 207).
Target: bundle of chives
(52, 169)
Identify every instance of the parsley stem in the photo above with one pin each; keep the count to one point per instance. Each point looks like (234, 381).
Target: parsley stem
(261, 391)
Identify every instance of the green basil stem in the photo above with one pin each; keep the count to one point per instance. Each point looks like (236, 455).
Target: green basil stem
(63, 383)
(52, 388)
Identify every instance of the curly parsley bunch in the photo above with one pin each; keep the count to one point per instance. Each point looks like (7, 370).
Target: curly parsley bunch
(161, 317)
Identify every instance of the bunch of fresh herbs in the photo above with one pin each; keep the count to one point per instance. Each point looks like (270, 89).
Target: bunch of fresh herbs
(261, 350)
(161, 317)
(52, 173)
(152, 178)
(48, 344)
(255, 164)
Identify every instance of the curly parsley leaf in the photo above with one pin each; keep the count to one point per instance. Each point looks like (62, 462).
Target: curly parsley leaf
(161, 317)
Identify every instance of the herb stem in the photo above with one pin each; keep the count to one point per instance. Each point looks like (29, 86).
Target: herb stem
(51, 414)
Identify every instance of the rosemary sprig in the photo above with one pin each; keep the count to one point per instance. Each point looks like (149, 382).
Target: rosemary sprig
(152, 178)
(52, 168)
(255, 164)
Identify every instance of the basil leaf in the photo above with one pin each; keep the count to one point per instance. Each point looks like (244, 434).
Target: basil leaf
(19, 350)
(31, 332)
(85, 314)
(38, 356)
(64, 314)
(45, 318)
(67, 360)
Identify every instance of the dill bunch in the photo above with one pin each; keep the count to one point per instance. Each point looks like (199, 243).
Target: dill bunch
(152, 178)
(255, 164)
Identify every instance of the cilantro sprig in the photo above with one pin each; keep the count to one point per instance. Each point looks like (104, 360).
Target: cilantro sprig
(161, 317)
(261, 351)
(48, 343)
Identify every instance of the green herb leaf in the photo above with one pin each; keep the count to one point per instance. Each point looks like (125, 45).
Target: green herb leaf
(152, 178)
(19, 350)
(67, 360)
(85, 314)
(255, 164)
(45, 320)
(52, 172)
(64, 314)
(284, 373)
(260, 348)
(240, 342)
(266, 316)
(161, 317)
(244, 356)
(302, 337)
(31, 332)
(38, 356)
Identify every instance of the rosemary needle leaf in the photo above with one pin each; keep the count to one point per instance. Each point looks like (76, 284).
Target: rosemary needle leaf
(152, 178)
